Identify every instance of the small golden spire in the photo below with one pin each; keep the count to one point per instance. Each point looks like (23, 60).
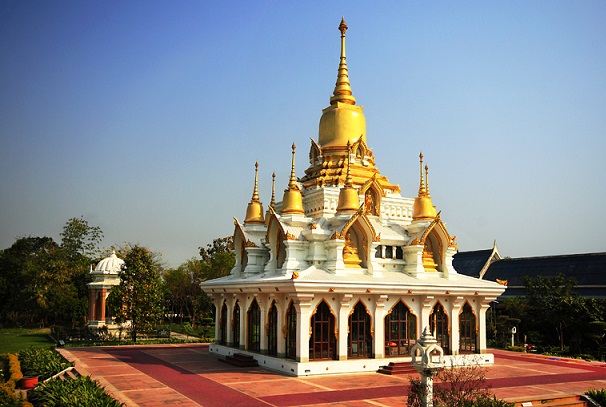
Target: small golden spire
(273, 190)
(342, 92)
(254, 211)
(292, 203)
(349, 201)
(423, 207)
(272, 204)
(422, 190)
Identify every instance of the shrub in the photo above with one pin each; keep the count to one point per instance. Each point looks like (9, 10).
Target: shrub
(463, 386)
(80, 392)
(516, 348)
(42, 362)
(599, 396)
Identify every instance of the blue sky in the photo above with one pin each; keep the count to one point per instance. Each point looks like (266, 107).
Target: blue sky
(147, 117)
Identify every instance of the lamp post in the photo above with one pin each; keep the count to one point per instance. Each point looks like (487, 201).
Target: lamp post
(427, 359)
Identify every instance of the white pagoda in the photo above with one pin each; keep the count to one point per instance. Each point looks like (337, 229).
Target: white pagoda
(344, 273)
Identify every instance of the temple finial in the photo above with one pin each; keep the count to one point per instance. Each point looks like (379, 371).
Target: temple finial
(293, 175)
(273, 190)
(422, 189)
(427, 180)
(255, 196)
(342, 92)
(254, 210)
(348, 181)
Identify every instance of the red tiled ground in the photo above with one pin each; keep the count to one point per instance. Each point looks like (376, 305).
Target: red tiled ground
(188, 375)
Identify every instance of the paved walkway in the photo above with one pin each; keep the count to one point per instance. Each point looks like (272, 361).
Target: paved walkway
(188, 375)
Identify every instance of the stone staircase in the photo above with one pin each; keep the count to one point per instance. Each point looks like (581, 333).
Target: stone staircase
(563, 401)
(240, 360)
(397, 368)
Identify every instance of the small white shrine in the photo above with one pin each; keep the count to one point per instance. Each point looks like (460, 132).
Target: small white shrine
(105, 276)
(341, 275)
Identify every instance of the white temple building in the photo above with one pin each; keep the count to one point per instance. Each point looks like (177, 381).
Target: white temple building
(106, 275)
(344, 273)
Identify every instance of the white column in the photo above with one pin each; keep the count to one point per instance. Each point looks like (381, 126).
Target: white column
(379, 327)
(343, 326)
(455, 334)
(303, 306)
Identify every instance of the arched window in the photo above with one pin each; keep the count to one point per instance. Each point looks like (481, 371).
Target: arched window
(359, 340)
(400, 330)
(254, 327)
(438, 323)
(322, 344)
(223, 325)
(272, 333)
(236, 325)
(291, 332)
(467, 330)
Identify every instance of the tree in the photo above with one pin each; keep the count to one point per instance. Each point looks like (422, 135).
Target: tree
(138, 298)
(183, 292)
(218, 258)
(79, 238)
(552, 303)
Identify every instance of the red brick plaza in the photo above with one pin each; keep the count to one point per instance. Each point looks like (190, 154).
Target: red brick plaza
(188, 375)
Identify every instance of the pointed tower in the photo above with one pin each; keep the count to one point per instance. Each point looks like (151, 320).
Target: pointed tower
(423, 207)
(254, 211)
(272, 204)
(342, 121)
(349, 201)
(292, 203)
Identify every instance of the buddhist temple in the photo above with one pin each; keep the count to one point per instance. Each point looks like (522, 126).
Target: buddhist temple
(345, 272)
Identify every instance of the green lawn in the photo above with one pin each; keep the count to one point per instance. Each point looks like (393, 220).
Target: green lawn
(15, 339)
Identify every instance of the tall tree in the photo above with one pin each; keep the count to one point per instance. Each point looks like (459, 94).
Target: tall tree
(552, 303)
(218, 258)
(138, 298)
(80, 238)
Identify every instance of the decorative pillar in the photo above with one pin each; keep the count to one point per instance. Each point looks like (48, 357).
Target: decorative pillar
(427, 359)
(482, 325)
(379, 327)
(455, 332)
(343, 326)
(92, 298)
(302, 304)
(103, 296)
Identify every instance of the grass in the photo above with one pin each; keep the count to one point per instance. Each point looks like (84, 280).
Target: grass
(15, 339)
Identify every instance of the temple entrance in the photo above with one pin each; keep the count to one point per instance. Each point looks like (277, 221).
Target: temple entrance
(467, 330)
(272, 334)
(223, 325)
(291, 332)
(359, 340)
(254, 327)
(322, 344)
(236, 325)
(438, 323)
(400, 331)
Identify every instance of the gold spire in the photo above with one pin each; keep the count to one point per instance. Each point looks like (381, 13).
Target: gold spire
(423, 207)
(254, 211)
(292, 203)
(342, 121)
(349, 201)
(342, 92)
(272, 203)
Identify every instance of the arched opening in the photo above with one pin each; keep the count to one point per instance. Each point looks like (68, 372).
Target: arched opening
(400, 330)
(359, 340)
(236, 325)
(291, 332)
(467, 330)
(223, 325)
(254, 327)
(272, 330)
(322, 343)
(354, 255)
(438, 323)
